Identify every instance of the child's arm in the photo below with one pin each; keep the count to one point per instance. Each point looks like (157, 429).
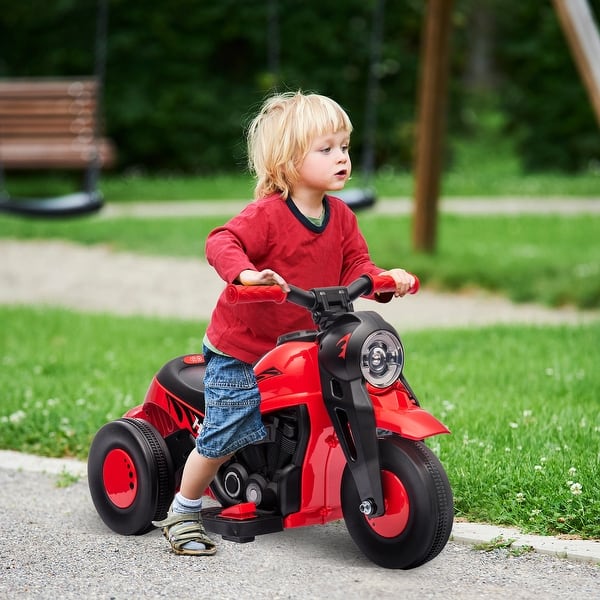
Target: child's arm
(232, 248)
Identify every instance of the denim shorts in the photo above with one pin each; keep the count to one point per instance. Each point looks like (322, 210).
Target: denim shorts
(232, 401)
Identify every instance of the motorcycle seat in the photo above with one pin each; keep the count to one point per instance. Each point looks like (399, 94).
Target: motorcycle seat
(184, 378)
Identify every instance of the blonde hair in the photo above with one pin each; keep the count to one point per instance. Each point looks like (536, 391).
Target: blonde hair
(280, 135)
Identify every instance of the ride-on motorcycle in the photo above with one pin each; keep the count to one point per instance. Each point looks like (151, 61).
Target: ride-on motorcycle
(345, 439)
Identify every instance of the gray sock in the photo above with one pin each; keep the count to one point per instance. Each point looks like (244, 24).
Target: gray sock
(181, 504)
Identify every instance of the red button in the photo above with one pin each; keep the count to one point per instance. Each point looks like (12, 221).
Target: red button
(194, 359)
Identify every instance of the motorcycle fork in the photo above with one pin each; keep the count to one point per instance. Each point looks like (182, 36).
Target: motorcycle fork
(351, 412)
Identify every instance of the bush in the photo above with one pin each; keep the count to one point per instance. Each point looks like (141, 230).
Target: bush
(183, 77)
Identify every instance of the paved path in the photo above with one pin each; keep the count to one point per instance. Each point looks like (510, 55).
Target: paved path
(55, 546)
(389, 206)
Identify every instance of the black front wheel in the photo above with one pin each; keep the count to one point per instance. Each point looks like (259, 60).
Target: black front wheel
(130, 475)
(419, 510)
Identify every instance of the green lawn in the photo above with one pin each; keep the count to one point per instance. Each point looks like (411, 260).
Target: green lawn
(521, 402)
(474, 177)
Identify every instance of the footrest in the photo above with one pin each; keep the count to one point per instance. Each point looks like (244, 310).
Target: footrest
(240, 529)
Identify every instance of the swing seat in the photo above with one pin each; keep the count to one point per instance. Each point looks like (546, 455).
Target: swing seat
(78, 203)
(357, 198)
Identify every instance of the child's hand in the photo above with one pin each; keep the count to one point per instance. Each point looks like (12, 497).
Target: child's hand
(404, 281)
(265, 277)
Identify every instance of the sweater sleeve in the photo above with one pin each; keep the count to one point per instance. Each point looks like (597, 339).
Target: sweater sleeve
(228, 247)
(357, 260)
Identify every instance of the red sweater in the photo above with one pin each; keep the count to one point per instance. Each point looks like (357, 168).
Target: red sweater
(271, 233)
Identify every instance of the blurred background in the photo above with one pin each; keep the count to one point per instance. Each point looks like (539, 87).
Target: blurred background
(183, 78)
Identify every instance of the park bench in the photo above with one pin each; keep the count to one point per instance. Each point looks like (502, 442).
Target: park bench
(51, 124)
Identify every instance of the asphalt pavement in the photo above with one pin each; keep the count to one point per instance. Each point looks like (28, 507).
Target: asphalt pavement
(56, 546)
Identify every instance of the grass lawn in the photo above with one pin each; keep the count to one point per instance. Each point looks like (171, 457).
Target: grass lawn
(503, 179)
(522, 403)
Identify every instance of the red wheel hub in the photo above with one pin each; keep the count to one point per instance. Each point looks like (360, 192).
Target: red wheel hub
(120, 478)
(397, 507)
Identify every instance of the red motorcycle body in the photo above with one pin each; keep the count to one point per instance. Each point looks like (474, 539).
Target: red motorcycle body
(288, 376)
(344, 440)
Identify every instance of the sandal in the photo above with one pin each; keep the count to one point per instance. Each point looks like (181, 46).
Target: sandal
(181, 528)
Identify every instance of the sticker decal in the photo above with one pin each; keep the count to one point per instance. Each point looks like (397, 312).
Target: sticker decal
(342, 344)
(268, 373)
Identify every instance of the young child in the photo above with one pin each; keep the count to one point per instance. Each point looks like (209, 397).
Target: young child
(298, 150)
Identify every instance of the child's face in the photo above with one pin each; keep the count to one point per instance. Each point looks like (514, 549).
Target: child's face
(327, 164)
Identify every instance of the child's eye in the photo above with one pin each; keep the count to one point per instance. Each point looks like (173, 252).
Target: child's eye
(326, 150)
(345, 148)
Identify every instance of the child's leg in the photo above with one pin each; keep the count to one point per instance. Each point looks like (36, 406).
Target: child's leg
(232, 420)
(183, 525)
(198, 473)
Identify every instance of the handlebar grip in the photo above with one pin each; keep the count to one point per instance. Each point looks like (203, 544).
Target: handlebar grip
(385, 284)
(238, 294)
(415, 286)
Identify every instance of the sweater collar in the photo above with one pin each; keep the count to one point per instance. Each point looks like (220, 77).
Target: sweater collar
(305, 220)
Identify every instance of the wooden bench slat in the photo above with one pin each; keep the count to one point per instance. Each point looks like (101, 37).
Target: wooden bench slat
(40, 154)
(26, 128)
(60, 106)
(39, 88)
(50, 123)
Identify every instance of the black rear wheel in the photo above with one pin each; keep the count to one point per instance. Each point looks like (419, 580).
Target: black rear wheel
(130, 475)
(419, 509)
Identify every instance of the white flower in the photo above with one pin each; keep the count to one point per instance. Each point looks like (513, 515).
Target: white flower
(572, 471)
(17, 417)
(576, 489)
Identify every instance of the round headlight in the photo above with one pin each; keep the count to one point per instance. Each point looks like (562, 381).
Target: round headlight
(381, 358)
